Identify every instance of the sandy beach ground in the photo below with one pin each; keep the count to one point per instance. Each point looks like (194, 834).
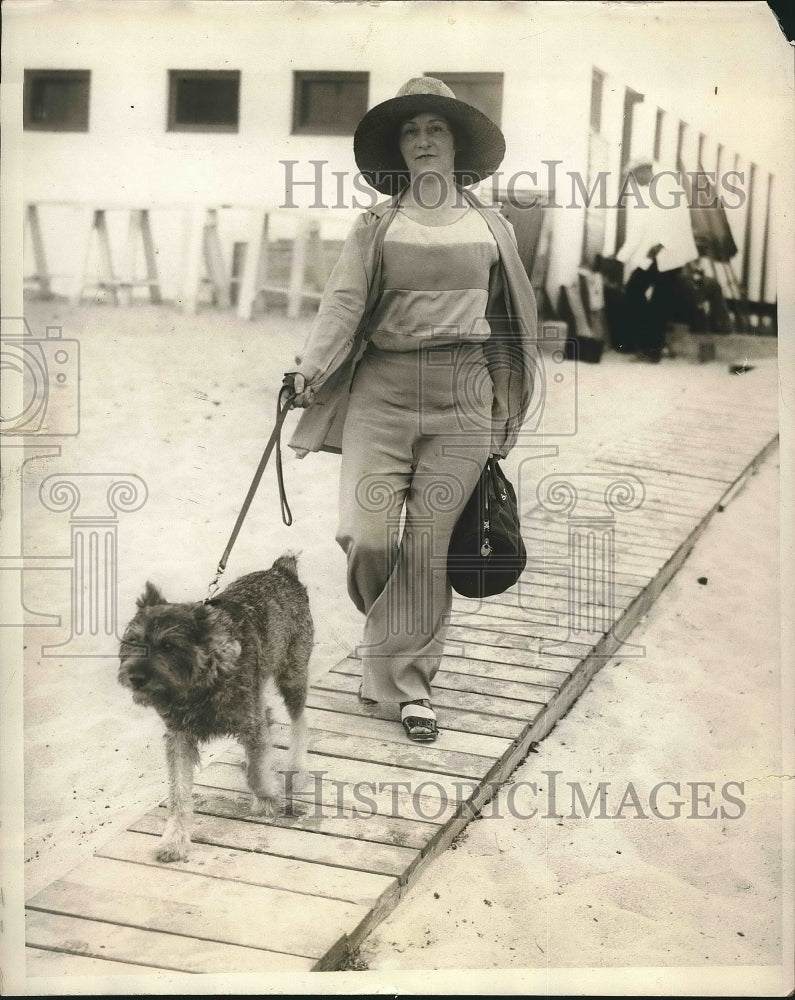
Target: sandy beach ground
(186, 404)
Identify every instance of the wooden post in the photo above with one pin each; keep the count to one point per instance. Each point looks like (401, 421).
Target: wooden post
(93, 220)
(190, 290)
(139, 231)
(214, 261)
(107, 279)
(315, 268)
(150, 256)
(41, 275)
(255, 269)
(297, 271)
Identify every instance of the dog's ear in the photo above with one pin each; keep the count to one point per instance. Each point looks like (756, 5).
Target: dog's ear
(150, 597)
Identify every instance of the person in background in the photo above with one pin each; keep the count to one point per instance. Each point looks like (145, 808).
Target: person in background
(659, 243)
(417, 368)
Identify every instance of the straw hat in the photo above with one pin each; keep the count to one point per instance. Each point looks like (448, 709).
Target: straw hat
(480, 145)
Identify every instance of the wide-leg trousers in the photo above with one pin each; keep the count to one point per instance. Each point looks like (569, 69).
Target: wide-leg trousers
(416, 438)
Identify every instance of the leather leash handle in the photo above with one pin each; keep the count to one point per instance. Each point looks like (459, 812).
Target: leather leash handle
(287, 393)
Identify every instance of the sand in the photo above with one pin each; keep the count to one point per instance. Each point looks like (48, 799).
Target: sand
(186, 403)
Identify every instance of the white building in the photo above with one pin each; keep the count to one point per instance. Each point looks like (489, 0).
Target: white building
(161, 105)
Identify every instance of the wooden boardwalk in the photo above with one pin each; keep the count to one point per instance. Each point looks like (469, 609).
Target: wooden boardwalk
(301, 892)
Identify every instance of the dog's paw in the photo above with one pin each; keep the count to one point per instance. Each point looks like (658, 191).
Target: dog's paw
(173, 851)
(293, 809)
(264, 806)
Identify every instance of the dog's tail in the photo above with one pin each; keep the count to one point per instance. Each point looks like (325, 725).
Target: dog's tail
(288, 563)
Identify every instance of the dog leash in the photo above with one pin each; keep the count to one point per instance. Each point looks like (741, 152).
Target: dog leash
(288, 394)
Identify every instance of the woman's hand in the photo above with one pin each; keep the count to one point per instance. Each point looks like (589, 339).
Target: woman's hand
(303, 393)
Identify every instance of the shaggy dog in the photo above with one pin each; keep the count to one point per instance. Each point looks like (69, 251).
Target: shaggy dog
(207, 669)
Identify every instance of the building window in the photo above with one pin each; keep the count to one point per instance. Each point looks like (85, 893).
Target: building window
(203, 100)
(482, 90)
(328, 103)
(56, 100)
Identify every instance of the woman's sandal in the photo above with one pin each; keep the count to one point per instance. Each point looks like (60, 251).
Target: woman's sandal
(419, 721)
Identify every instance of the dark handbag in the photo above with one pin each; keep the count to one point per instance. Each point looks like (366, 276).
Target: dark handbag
(487, 554)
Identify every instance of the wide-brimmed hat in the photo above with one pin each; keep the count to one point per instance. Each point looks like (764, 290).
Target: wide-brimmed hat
(480, 145)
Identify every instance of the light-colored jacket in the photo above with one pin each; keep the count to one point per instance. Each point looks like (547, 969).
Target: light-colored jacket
(338, 336)
(663, 217)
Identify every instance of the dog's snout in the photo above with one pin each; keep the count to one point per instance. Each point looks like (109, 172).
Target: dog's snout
(138, 679)
(135, 672)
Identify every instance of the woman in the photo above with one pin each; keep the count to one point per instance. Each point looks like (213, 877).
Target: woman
(417, 368)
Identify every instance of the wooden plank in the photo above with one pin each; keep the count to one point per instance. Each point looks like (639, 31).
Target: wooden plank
(323, 805)
(665, 464)
(548, 680)
(654, 498)
(533, 530)
(214, 262)
(107, 276)
(150, 259)
(532, 696)
(530, 600)
(671, 481)
(111, 949)
(444, 697)
(441, 760)
(654, 534)
(231, 851)
(622, 557)
(195, 220)
(553, 609)
(337, 769)
(485, 622)
(589, 508)
(179, 902)
(481, 643)
(557, 578)
(397, 792)
(721, 451)
(680, 459)
(342, 722)
(42, 275)
(456, 719)
(42, 963)
(591, 503)
(407, 817)
(632, 526)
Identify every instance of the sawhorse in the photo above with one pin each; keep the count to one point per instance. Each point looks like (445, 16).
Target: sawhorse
(139, 232)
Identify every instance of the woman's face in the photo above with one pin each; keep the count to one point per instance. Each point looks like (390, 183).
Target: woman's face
(427, 144)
